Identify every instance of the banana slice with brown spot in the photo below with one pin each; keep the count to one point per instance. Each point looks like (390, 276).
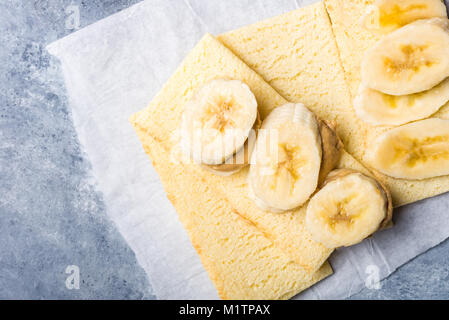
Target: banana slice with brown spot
(418, 150)
(241, 158)
(349, 207)
(332, 148)
(292, 148)
(409, 60)
(216, 124)
(385, 16)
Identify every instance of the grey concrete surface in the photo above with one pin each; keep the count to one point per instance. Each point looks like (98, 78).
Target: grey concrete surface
(51, 215)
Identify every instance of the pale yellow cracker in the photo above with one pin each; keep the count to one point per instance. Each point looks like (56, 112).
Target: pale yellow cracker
(240, 260)
(353, 41)
(297, 54)
(209, 60)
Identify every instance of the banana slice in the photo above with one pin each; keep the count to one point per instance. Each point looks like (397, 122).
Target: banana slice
(418, 150)
(379, 108)
(285, 164)
(412, 59)
(385, 16)
(332, 148)
(347, 209)
(240, 159)
(216, 124)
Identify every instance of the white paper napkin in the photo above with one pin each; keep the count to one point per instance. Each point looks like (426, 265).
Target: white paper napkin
(114, 67)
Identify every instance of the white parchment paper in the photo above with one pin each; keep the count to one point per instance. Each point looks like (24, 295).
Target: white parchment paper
(114, 67)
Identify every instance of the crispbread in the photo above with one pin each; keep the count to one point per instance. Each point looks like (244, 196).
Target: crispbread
(209, 60)
(296, 53)
(353, 41)
(240, 260)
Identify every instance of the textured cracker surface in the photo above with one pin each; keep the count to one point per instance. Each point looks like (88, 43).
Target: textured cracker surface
(297, 54)
(209, 60)
(199, 189)
(240, 260)
(353, 41)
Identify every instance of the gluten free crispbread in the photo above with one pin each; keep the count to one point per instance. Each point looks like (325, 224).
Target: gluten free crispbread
(240, 260)
(353, 41)
(298, 54)
(211, 60)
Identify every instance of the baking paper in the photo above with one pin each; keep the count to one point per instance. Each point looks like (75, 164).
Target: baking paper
(114, 67)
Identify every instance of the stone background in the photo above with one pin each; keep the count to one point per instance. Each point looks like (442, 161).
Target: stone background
(50, 214)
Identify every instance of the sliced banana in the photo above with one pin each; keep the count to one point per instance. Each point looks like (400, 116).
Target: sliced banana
(348, 208)
(239, 159)
(385, 16)
(412, 59)
(379, 108)
(418, 150)
(332, 148)
(285, 164)
(216, 124)
(234, 163)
